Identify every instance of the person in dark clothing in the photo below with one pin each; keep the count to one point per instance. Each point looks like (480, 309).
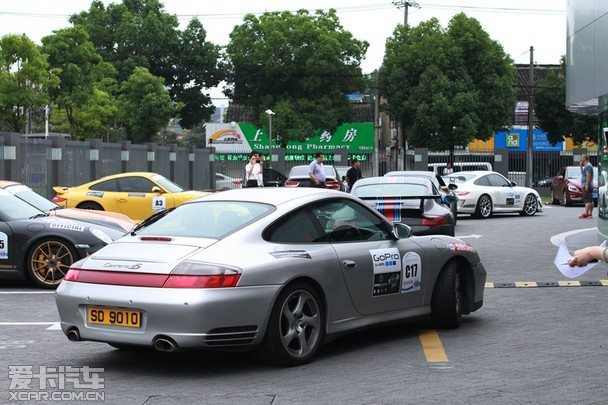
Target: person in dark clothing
(353, 174)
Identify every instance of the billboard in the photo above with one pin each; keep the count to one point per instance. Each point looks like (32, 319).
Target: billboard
(357, 138)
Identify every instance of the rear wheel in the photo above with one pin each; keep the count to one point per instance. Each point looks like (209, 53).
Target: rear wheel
(566, 201)
(90, 205)
(49, 260)
(295, 329)
(448, 298)
(530, 206)
(554, 200)
(484, 207)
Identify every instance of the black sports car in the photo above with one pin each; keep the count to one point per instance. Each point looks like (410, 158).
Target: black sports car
(36, 246)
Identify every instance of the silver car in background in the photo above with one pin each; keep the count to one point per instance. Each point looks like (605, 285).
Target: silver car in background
(276, 271)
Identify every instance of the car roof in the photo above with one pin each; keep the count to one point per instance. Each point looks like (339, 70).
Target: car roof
(394, 179)
(8, 183)
(411, 173)
(129, 174)
(271, 195)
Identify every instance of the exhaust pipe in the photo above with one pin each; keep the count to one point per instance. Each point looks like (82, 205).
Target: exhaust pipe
(165, 344)
(73, 335)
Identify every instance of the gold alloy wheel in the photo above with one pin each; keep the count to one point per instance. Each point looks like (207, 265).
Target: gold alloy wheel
(50, 261)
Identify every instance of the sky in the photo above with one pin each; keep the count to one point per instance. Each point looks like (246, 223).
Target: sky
(516, 24)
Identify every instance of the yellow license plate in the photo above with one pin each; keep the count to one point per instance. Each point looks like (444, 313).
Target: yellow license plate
(113, 317)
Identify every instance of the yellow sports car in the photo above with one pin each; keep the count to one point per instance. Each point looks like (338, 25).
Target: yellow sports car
(136, 195)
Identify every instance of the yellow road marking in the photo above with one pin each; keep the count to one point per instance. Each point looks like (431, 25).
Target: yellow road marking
(432, 346)
(604, 283)
(572, 283)
(489, 285)
(525, 284)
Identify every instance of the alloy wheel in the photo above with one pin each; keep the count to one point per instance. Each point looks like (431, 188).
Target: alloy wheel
(485, 206)
(300, 323)
(530, 205)
(50, 261)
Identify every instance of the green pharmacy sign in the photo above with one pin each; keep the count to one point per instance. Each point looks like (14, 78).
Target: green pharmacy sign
(357, 138)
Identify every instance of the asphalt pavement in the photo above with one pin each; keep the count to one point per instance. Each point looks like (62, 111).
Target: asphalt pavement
(525, 345)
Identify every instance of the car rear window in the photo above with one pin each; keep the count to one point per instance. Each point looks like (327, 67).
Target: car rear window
(302, 171)
(207, 219)
(391, 189)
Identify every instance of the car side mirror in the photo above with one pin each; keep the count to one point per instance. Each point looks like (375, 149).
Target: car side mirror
(559, 177)
(513, 184)
(453, 186)
(157, 190)
(401, 231)
(343, 178)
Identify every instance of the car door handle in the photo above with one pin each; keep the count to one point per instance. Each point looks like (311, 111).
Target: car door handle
(349, 264)
(121, 200)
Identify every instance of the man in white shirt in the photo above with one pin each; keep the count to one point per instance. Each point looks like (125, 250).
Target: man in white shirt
(253, 171)
(316, 171)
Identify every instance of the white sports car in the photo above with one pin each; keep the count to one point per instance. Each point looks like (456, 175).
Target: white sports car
(483, 193)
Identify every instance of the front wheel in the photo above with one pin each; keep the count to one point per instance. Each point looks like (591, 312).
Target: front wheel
(530, 206)
(295, 328)
(484, 207)
(447, 301)
(566, 201)
(49, 260)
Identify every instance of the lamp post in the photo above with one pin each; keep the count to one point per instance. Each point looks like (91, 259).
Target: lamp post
(270, 114)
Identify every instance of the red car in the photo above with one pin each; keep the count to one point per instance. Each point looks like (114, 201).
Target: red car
(566, 188)
(34, 199)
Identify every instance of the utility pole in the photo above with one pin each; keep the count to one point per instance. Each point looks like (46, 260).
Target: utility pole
(529, 154)
(377, 129)
(406, 4)
(402, 144)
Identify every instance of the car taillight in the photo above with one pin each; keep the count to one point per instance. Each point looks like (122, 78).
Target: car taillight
(193, 274)
(59, 200)
(433, 221)
(462, 193)
(72, 275)
(292, 183)
(333, 184)
(218, 281)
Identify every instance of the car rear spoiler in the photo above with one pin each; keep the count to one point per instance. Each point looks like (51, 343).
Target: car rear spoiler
(60, 190)
(422, 198)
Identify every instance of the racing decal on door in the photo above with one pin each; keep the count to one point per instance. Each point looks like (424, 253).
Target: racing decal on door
(387, 271)
(510, 199)
(97, 194)
(412, 272)
(159, 203)
(517, 199)
(3, 246)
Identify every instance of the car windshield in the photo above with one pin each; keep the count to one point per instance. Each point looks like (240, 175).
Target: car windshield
(391, 189)
(13, 208)
(458, 178)
(302, 171)
(207, 219)
(167, 184)
(31, 197)
(575, 173)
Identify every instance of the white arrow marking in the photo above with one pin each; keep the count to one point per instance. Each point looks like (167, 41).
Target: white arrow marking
(472, 236)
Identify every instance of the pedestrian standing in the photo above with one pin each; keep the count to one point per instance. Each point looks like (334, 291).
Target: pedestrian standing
(316, 171)
(354, 173)
(252, 171)
(587, 184)
(449, 169)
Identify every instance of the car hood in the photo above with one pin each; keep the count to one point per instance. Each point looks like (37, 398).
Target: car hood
(577, 183)
(110, 219)
(76, 226)
(131, 254)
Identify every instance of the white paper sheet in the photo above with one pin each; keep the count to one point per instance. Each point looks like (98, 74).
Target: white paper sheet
(561, 262)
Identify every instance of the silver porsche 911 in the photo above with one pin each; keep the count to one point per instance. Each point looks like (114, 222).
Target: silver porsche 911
(277, 271)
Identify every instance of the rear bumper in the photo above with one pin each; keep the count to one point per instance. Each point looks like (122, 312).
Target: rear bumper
(193, 318)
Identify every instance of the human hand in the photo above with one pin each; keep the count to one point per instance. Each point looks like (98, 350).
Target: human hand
(583, 256)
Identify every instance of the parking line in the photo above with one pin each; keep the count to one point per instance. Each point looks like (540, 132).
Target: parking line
(432, 346)
(525, 284)
(26, 292)
(27, 323)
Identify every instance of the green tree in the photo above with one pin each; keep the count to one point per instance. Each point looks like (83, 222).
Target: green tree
(79, 67)
(141, 33)
(447, 86)
(24, 80)
(552, 115)
(300, 64)
(145, 105)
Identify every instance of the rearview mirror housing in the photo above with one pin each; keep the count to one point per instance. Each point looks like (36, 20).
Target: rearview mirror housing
(157, 190)
(453, 186)
(401, 231)
(513, 184)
